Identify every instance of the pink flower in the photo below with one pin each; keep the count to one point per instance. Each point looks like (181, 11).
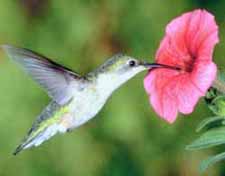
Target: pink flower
(188, 44)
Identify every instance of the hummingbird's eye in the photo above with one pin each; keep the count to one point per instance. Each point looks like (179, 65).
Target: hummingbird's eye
(132, 63)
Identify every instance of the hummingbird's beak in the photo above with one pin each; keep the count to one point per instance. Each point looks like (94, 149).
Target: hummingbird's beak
(156, 65)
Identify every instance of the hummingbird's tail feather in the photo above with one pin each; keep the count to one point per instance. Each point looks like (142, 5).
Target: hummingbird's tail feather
(37, 140)
(52, 120)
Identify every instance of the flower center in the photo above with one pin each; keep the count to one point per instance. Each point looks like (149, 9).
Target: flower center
(187, 63)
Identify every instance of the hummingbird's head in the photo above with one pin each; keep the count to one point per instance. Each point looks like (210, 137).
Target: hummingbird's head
(126, 66)
(120, 68)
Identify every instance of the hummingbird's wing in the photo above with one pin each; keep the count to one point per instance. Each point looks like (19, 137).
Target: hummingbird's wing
(54, 78)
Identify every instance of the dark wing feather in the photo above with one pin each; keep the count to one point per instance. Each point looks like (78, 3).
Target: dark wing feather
(54, 78)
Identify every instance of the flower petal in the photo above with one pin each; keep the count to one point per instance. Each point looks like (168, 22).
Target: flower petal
(189, 36)
(163, 102)
(176, 31)
(202, 34)
(203, 74)
(186, 92)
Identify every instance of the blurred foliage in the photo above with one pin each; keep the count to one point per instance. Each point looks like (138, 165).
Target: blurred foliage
(126, 137)
(214, 134)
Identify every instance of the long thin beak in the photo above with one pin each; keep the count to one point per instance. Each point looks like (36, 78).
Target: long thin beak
(155, 65)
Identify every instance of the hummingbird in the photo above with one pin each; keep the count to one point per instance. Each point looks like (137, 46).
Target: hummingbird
(75, 99)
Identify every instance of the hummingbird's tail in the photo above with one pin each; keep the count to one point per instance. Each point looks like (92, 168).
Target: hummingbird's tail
(52, 120)
(37, 140)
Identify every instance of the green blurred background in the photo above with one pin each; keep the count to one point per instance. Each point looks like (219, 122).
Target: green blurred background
(126, 138)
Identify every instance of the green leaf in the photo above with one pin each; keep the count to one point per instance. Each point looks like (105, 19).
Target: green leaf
(210, 138)
(215, 101)
(218, 105)
(209, 121)
(210, 161)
